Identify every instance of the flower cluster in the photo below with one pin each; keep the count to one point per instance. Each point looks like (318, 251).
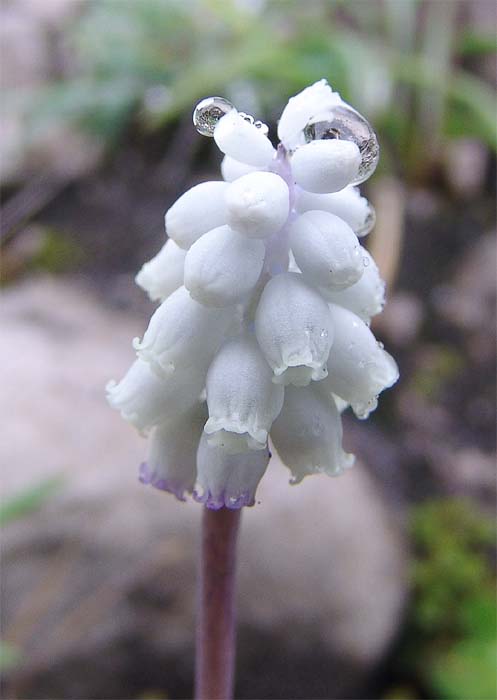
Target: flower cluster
(266, 296)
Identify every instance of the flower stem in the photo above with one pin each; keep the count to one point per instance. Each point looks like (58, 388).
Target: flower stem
(215, 653)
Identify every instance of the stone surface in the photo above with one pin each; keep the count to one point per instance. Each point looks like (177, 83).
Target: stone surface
(103, 576)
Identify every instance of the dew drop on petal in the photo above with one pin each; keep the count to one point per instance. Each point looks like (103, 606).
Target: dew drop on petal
(248, 117)
(208, 112)
(348, 125)
(263, 127)
(365, 261)
(369, 222)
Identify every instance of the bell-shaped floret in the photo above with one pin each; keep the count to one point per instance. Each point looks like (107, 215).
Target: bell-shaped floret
(228, 480)
(258, 204)
(172, 453)
(326, 250)
(145, 400)
(359, 369)
(365, 298)
(223, 267)
(243, 401)
(197, 211)
(183, 333)
(303, 108)
(294, 330)
(348, 204)
(308, 434)
(325, 165)
(163, 274)
(232, 169)
(240, 139)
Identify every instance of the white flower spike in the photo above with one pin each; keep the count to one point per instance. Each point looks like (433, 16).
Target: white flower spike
(266, 296)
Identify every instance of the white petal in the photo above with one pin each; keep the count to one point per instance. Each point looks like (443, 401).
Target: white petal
(183, 333)
(243, 401)
(294, 330)
(232, 169)
(197, 211)
(243, 141)
(365, 298)
(347, 204)
(326, 250)
(172, 455)
(308, 434)
(301, 109)
(223, 267)
(258, 204)
(359, 369)
(163, 274)
(145, 400)
(325, 166)
(228, 480)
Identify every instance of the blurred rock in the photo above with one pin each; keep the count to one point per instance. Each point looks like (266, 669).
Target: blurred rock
(103, 577)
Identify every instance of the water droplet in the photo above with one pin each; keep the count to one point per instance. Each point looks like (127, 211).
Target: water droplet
(380, 345)
(248, 117)
(369, 222)
(262, 127)
(324, 333)
(347, 124)
(365, 261)
(208, 112)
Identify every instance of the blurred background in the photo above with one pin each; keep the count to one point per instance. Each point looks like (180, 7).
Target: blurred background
(379, 584)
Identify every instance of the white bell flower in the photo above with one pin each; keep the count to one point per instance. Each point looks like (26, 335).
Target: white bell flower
(223, 266)
(228, 480)
(170, 339)
(358, 366)
(258, 204)
(198, 210)
(294, 330)
(266, 295)
(242, 140)
(242, 400)
(232, 169)
(163, 274)
(308, 434)
(326, 250)
(348, 204)
(145, 400)
(326, 166)
(366, 298)
(171, 463)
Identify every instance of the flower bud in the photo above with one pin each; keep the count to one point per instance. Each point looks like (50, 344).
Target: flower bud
(326, 250)
(366, 297)
(144, 400)
(308, 434)
(359, 368)
(347, 204)
(172, 455)
(232, 169)
(197, 211)
(182, 333)
(325, 165)
(294, 330)
(258, 204)
(301, 109)
(243, 401)
(163, 274)
(243, 141)
(228, 480)
(222, 267)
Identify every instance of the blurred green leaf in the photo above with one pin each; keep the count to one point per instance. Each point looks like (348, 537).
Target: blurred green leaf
(29, 500)
(9, 656)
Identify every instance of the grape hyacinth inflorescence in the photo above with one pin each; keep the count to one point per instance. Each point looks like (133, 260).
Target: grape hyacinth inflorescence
(262, 335)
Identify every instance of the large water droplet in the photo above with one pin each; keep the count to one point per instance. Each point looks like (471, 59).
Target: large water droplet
(347, 124)
(208, 112)
(369, 222)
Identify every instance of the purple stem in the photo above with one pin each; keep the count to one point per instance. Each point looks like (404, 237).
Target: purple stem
(215, 653)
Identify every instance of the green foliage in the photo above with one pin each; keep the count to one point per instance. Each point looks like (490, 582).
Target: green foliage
(370, 52)
(451, 639)
(29, 500)
(57, 253)
(9, 656)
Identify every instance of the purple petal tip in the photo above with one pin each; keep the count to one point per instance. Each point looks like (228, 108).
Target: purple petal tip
(149, 479)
